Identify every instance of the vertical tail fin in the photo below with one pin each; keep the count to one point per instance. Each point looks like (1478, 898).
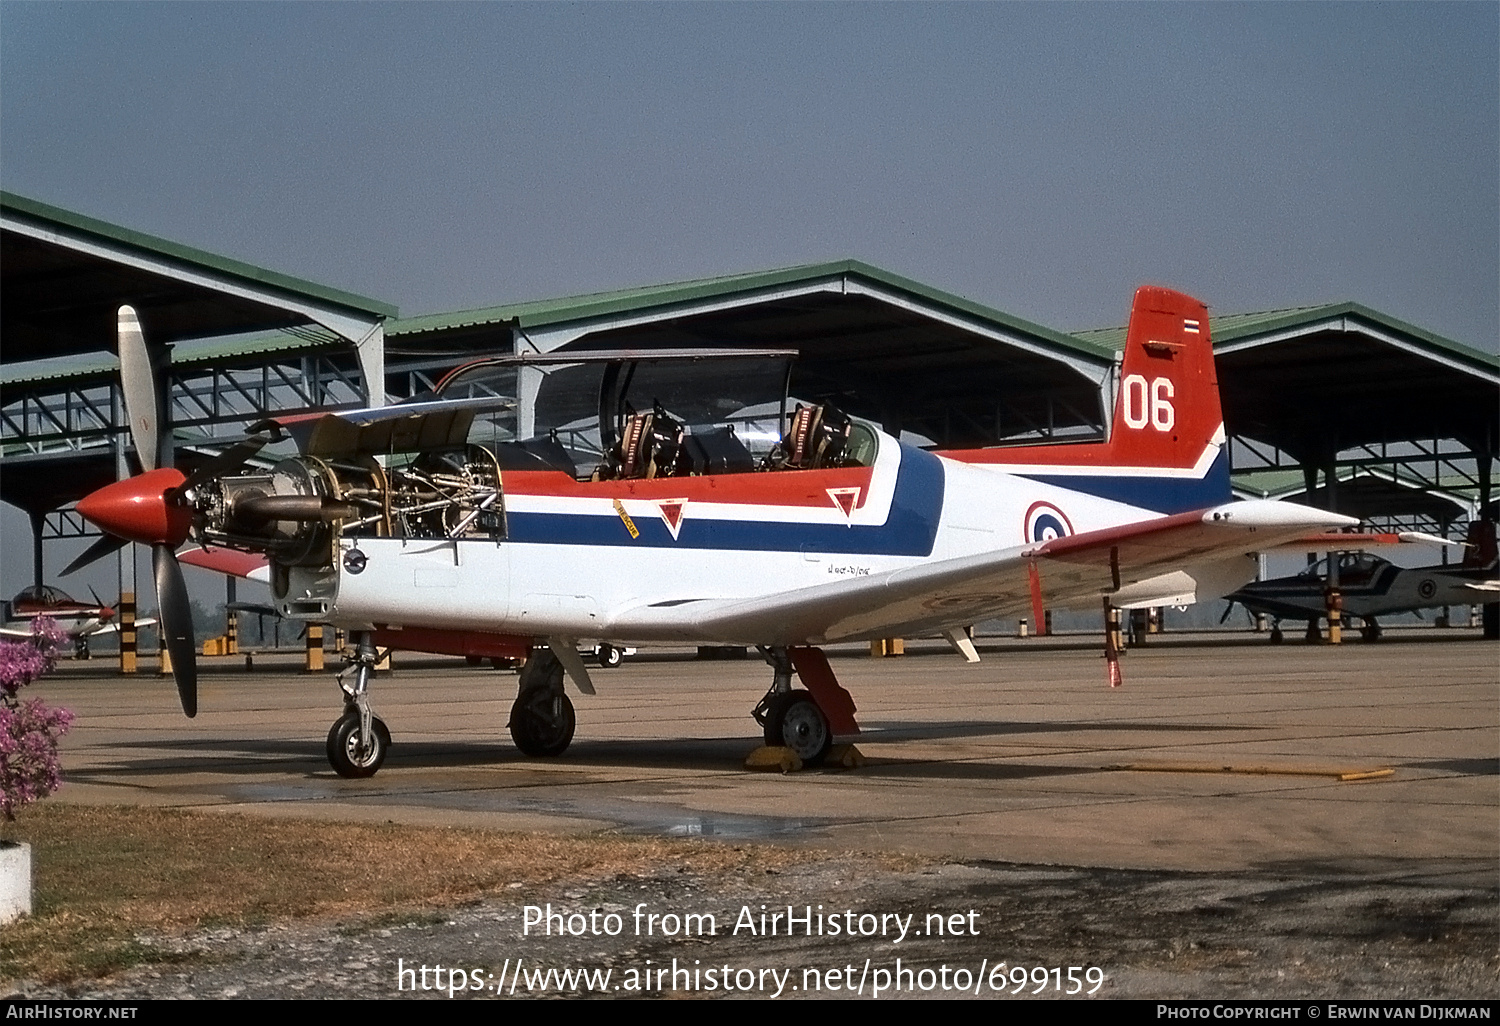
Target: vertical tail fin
(1167, 407)
(1166, 443)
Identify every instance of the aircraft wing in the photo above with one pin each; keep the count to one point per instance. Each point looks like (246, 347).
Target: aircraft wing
(1074, 571)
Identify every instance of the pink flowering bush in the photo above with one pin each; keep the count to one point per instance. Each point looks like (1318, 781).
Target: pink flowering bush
(29, 731)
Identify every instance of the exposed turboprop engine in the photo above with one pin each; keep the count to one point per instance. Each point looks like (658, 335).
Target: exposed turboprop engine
(294, 511)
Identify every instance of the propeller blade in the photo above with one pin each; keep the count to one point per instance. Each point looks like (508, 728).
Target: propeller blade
(229, 460)
(1227, 610)
(176, 613)
(138, 386)
(101, 548)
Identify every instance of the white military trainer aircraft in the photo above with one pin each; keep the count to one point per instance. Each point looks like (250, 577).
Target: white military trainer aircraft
(396, 525)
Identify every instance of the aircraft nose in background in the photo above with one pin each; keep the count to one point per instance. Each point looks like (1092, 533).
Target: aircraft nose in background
(137, 509)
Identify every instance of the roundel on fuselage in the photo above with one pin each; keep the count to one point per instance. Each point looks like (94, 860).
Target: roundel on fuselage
(1045, 521)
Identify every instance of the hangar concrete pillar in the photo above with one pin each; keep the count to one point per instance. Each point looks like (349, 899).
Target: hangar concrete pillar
(371, 354)
(528, 387)
(1486, 460)
(368, 336)
(529, 379)
(1333, 599)
(36, 549)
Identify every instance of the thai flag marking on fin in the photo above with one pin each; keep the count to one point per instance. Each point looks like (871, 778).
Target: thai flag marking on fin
(1190, 326)
(844, 499)
(671, 514)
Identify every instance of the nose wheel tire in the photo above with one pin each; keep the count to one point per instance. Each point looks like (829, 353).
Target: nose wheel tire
(542, 726)
(609, 656)
(346, 756)
(795, 721)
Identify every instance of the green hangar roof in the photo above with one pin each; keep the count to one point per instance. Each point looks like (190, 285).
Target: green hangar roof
(748, 286)
(880, 345)
(64, 275)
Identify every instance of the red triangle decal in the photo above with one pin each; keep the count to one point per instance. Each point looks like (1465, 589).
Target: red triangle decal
(844, 499)
(671, 514)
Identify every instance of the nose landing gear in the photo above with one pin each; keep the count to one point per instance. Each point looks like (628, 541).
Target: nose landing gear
(358, 742)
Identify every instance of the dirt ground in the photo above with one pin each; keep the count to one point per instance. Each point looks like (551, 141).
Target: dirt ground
(1283, 932)
(999, 785)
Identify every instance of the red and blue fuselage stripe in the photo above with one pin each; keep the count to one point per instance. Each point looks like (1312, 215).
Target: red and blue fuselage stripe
(1166, 495)
(910, 528)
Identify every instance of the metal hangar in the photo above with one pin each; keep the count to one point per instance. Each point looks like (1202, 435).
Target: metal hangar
(1340, 392)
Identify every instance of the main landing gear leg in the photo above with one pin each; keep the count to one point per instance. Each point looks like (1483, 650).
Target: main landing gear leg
(357, 743)
(542, 719)
(804, 721)
(781, 683)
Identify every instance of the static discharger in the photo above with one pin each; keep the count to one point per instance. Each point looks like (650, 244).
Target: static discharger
(1263, 771)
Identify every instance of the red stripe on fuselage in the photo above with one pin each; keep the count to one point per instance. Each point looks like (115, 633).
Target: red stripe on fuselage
(445, 642)
(771, 488)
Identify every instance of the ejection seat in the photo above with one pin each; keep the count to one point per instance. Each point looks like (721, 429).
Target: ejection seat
(650, 446)
(818, 437)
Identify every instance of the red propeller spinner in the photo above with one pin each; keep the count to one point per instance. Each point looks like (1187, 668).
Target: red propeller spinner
(140, 509)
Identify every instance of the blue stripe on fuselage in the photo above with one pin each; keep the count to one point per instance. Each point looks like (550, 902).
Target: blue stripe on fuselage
(909, 529)
(1159, 494)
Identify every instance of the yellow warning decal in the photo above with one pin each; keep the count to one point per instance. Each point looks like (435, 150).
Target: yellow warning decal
(635, 532)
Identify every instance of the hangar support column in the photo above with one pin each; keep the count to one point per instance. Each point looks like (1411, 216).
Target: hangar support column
(36, 550)
(1486, 460)
(369, 348)
(1333, 600)
(1310, 489)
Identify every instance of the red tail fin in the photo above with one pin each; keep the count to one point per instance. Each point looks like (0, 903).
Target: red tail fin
(1167, 407)
(1166, 443)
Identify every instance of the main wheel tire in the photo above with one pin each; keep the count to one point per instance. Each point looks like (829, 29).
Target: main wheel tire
(610, 657)
(795, 722)
(538, 734)
(344, 752)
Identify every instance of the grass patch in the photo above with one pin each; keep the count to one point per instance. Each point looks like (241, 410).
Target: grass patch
(104, 876)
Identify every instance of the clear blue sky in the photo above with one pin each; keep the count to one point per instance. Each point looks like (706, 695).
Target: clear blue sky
(1044, 159)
